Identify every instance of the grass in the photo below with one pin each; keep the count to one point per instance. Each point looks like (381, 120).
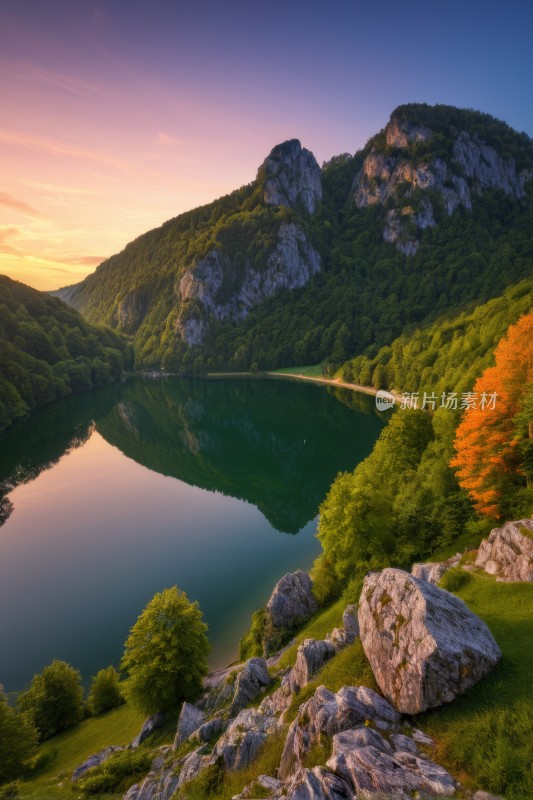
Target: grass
(64, 752)
(317, 628)
(484, 737)
(311, 371)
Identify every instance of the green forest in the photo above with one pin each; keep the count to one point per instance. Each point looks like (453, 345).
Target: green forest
(47, 351)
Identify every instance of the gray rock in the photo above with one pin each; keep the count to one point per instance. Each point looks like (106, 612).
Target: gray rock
(160, 783)
(311, 656)
(214, 283)
(193, 764)
(149, 726)
(507, 552)
(318, 784)
(131, 311)
(209, 730)
(291, 177)
(250, 683)
(266, 782)
(374, 768)
(241, 742)
(94, 761)
(433, 571)
(350, 623)
(486, 796)
(292, 600)
(422, 738)
(424, 644)
(329, 713)
(189, 721)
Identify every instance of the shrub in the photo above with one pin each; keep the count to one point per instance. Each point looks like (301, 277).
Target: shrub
(54, 700)
(454, 579)
(117, 773)
(18, 740)
(105, 693)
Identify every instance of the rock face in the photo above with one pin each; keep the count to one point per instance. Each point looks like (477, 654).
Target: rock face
(373, 766)
(328, 713)
(292, 600)
(433, 571)
(226, 290)
(94, 761)
(250, 683)
(189, 721)
(508, 552)
(395, 177)
(240, 744)
(311, 657)
(424, 644)
(149, 726)
(130, 311)
(291, 177)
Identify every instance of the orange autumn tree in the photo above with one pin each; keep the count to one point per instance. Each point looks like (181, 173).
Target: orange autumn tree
(493, 443)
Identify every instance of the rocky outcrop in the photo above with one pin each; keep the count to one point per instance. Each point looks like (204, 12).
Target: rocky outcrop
(130, 311)
(396, 176)
(292, 600)
(508, 551)
(433, 571)
(326, 713)
(209, 730)
(373, 766)
(149, 726)
(251, 681)
(291, 177)
(311, 656)
(225, 292)
(190, 719)
(160, 783)
(241, 742)
(424, 644)
(348, 633)
(94, 761)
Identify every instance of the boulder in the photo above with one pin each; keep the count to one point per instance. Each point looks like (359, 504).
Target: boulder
(94, 761)
(328, 713)
(149, 726)
(508, 552)
(249, 684)
(311, 656)
(424, 644)
(433, 571)
(209, 730)
(292, 600)
(189, 721)
(241, 742)
(349, 632)
(374, 767)
(317, 784)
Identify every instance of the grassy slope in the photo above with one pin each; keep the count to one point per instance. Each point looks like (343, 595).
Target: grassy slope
(311, 371)
(70, 748)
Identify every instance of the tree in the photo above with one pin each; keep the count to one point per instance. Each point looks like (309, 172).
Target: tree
(493, 442)
(165, 655)
(54, 700)
(18, 740)
(105, 692)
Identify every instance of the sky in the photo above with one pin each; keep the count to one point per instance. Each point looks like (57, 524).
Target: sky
(120, 114)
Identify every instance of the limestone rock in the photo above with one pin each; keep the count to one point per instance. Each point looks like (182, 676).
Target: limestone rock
(311, 656)
(250, 683)
(214, 287)
(149, 726)
(433, 571)
(291, 177)
(209, 730)
(375, 767)
(318, 784)
(189, 721)
(292, 600)
(508, 552)
(94, 761)
(350, 623)
(424, 644)
(131, 311)
(240, 744)
(329, 713)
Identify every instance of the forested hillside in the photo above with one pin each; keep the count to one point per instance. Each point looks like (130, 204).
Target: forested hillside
(47, 351)
(308, 264)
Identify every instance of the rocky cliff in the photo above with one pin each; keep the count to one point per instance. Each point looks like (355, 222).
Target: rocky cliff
(406, 172)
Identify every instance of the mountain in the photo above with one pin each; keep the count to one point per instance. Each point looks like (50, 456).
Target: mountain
(309, 263)
(47, 351)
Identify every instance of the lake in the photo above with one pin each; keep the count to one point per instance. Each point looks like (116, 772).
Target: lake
(113, 495)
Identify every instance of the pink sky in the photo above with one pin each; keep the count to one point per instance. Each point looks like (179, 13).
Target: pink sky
(117, 116)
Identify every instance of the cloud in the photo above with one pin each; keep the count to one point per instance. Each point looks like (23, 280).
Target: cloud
(8, 201)
(168, 139)
(56, 147)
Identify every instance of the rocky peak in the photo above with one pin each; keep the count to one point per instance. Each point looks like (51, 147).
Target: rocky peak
(396, 174)
(291, 177)
(401, 132)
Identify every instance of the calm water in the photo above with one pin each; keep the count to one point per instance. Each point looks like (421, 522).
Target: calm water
(113, 495)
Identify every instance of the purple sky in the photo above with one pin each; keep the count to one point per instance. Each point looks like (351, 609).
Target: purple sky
(119, 115)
